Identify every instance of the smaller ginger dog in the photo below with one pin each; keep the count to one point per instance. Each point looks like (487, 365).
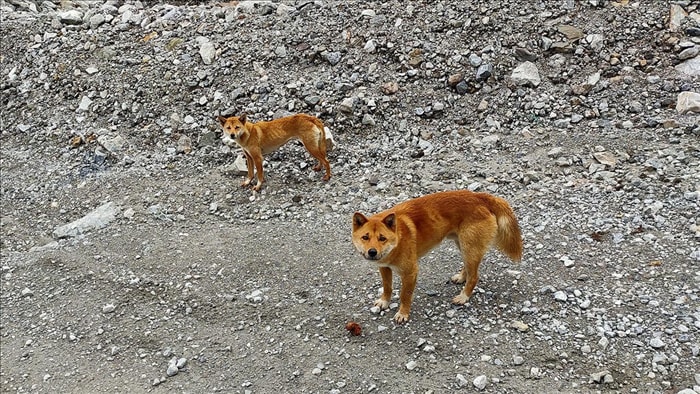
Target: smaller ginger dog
(260, 138)
(396, 238)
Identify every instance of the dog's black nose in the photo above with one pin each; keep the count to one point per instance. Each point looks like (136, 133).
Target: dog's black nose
(372, 253)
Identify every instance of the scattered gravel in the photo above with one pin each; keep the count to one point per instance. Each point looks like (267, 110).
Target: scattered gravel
(133, 261)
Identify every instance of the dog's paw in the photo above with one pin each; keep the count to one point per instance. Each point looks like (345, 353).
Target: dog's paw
(245, 183)
(460, 299)
(382, 304)
(401, 317)
(257, 187)
(458, 278)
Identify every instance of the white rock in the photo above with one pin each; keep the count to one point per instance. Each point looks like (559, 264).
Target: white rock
(689, 67)
(255, 296)
(172, 370)
(656, 343)
(330, 142)
(461, 380)
(519, 325)
(560, 296)
(605, 158)
(688, 102)
(480, 382)
(567, 261)
(206, 50)
(593, 79)
(411, 365)
(96, 20)
(689, 53)
(346, 106)
(284, 9)
(71, 17)
(526, 74)
(114, 145)
(659, 358)
(603, 343)
(602, 377)
(676, 16)
(596, 41)
(99, 218)
(84, 103)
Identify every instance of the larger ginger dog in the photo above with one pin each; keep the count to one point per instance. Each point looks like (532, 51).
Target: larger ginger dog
(396, 238)
(260, 138)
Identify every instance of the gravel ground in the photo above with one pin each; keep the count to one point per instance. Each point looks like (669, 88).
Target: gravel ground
(132, 261)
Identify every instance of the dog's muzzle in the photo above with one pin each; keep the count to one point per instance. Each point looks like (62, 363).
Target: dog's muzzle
(372, 254)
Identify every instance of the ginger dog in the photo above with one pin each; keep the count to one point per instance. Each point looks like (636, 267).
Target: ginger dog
(260, 138)
(396, 238)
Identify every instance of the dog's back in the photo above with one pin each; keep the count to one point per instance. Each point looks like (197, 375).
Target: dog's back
(433, 217)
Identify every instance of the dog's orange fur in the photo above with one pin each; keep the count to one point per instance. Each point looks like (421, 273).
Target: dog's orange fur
(260, 138)
(396, 238)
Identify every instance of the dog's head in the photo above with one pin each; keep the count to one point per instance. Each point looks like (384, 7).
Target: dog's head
(234, 128)
(374, 237)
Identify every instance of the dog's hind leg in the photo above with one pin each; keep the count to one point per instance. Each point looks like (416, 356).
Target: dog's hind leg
(460, 276)
(474, 241)
(317, 149)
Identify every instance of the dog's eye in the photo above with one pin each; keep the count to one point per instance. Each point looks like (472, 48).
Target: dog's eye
(382, 238)
(365, 237)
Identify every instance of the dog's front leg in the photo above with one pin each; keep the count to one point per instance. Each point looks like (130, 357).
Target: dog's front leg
(249, 166)
(255, 160)
(408, 284)
(258, 160)
(383, 301)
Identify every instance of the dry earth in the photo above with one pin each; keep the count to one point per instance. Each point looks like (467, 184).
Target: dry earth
(133, 262)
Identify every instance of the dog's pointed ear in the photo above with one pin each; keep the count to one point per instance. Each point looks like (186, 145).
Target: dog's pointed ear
(243, 117)
(221, 119)
(390, 221)
(358, 220)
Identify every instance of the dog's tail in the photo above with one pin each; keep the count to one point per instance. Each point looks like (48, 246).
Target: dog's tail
(508, 237)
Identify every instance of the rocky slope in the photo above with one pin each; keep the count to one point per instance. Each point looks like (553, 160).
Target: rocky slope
(133, 261)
